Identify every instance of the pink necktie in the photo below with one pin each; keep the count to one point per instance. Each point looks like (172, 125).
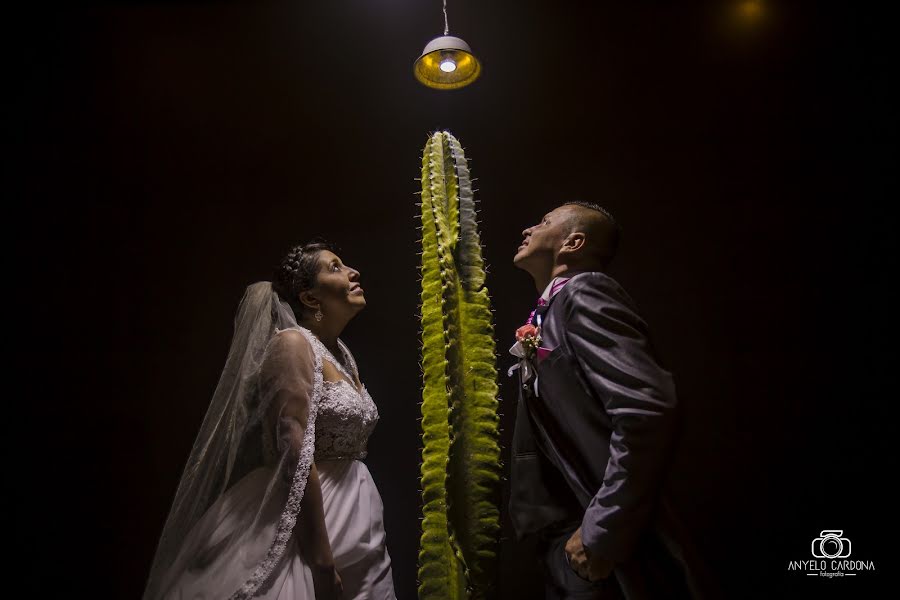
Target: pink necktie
(543, 301)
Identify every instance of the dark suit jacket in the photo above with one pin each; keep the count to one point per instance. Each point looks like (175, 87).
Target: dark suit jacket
(594, 445)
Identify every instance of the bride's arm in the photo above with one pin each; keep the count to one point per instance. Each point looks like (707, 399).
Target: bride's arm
(312, 536)
(289, 374)
(310, 530)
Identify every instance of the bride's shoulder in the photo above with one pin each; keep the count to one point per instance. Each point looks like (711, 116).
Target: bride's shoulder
(291, 339)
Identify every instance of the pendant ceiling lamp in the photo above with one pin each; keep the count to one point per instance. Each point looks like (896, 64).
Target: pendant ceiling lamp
(447, 62)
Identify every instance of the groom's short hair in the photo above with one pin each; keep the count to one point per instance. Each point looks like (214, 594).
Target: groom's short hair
(602, 230)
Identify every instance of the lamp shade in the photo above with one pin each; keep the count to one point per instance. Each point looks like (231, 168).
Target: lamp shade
(447, 63)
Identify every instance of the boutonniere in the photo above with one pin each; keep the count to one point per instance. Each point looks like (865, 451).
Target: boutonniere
(529, 336)
(528, 340)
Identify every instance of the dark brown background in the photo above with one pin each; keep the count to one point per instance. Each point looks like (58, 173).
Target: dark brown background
(166, 155)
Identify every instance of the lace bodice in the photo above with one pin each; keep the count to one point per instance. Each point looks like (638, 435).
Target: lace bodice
(345, 420)
(345, 416)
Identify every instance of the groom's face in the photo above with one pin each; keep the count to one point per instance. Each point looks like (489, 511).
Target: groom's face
(541, 242)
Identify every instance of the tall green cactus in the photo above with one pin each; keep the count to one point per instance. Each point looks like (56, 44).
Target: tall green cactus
(460, 422)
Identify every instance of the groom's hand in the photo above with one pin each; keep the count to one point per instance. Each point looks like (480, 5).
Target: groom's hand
(592, 568)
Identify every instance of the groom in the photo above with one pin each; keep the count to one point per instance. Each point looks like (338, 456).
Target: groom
(596, 425)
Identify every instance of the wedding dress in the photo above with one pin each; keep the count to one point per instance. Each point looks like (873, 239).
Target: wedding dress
(244, 544)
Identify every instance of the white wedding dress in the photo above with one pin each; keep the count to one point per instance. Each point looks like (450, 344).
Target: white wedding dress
(341, 423)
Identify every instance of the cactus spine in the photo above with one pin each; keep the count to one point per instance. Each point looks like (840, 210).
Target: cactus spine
(460, 422)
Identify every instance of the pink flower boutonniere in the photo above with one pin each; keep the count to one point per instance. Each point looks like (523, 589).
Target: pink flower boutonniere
(528, 340)
(529, 336)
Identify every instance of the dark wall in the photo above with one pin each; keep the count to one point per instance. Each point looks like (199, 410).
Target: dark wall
(166, 155)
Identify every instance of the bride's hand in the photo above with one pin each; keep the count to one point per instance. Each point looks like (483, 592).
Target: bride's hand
(327, 583)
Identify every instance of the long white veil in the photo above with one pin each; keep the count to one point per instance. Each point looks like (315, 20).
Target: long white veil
(239, 496)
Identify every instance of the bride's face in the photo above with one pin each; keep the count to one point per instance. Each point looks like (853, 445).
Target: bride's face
(337, 287)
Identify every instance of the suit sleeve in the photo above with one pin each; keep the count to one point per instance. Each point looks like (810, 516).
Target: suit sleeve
(611, 346)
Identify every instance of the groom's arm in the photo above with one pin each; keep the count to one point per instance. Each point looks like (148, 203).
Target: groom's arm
(611, 346)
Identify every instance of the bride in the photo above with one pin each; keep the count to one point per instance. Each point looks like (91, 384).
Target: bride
(274, 501)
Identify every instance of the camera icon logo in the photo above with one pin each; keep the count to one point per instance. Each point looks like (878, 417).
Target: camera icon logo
(831, 544)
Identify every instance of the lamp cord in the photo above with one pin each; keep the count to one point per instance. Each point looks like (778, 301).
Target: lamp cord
(446, 25)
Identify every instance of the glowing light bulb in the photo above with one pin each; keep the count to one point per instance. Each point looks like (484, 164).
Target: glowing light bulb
(448, 66)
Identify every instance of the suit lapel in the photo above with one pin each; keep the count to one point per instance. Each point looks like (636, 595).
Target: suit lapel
(541, 311)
